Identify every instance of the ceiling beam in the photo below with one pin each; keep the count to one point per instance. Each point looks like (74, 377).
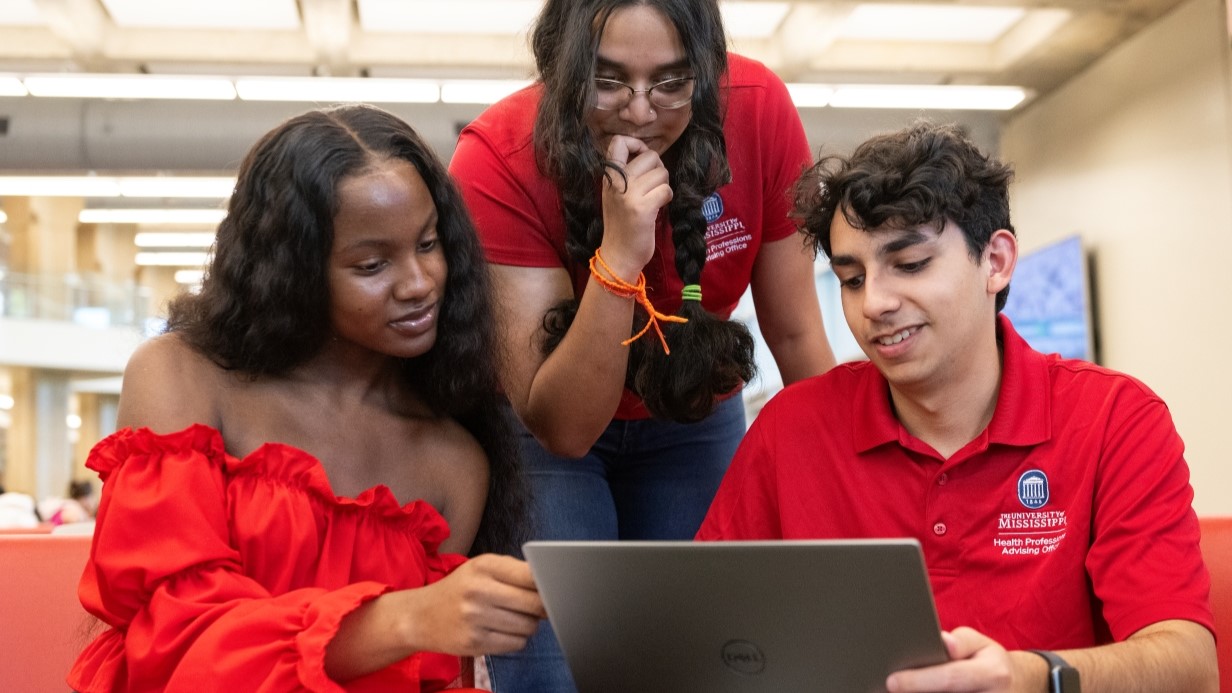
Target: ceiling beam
(1113, 6)
(329, 26)
(80, 24)
(807, 31)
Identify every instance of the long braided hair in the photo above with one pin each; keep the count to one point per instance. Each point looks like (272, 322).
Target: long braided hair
(709, 356)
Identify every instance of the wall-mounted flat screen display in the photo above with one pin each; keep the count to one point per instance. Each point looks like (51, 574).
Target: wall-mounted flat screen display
(1050, 300)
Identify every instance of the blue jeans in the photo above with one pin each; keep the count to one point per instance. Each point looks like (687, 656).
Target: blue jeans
(643, 479)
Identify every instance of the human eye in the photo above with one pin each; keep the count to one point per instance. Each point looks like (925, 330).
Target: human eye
(915, 266)
(674, 85)
(853, 282)
(370, 266)
(429, 244)
(607, 86)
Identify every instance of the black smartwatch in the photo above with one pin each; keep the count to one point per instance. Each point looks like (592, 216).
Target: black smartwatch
(1062, 678)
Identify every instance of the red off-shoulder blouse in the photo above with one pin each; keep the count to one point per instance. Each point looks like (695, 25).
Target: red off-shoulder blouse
(218, 573)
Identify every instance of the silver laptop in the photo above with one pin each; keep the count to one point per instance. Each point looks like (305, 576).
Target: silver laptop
(720, 617)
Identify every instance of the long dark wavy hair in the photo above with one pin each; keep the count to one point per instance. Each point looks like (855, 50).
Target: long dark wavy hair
(924, 174)
(709, 356)
(263, 307)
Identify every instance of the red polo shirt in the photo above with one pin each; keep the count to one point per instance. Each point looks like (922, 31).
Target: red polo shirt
(518, 212)
(1066, 523)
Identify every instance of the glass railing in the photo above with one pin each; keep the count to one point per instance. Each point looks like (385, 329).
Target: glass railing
(86, 300)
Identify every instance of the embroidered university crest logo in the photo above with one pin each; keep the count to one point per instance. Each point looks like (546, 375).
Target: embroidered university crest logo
(1033, 489)
(712, 208)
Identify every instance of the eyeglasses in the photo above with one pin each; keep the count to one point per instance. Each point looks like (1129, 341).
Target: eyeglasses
(613, 95)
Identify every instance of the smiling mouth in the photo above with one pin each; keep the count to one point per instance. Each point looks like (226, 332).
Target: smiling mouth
(891, 340)
(415, 320)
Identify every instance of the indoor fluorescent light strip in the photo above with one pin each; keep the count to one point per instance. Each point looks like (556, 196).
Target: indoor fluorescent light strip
(306, 89)
(189, 276)
(338, 89)
(480, 91)
(174, 239)
(941, 97)
(12, 86)
(117, 186)
(476, 91)
(172, 259)
(196, 217)
(118, 86)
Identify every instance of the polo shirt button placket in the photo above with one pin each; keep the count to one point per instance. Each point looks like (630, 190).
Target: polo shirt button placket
(942, 479)
(940, 529)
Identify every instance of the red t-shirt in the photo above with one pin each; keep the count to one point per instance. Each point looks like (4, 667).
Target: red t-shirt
(519, 215)
(1066, 523)
(228, 574)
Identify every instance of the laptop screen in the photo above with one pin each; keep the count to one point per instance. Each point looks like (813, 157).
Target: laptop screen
(738, 616)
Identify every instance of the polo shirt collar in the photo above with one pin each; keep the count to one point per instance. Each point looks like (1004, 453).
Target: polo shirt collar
(1023, 404)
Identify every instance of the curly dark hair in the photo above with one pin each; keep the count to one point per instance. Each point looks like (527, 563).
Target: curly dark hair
(264, 303)
(924, 174)
(709, 356)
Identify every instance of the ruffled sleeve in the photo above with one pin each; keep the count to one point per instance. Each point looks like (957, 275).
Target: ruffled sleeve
(164, 574)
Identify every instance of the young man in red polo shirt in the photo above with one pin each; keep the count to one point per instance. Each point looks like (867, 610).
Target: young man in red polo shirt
(1051, 496)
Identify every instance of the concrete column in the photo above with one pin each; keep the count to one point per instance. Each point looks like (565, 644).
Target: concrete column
(6, 242)
(51, 236)
(17, 209)
(98, 420)
(43, 246)
(40, 458)
(161, 282)
(112, 252)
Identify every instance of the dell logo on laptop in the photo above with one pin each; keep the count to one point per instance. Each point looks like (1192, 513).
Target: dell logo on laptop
(743, 657)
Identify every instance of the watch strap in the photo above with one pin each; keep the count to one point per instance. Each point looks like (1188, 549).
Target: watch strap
(1062, 677)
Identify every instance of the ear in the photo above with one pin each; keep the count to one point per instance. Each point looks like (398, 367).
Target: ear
(1001, 256)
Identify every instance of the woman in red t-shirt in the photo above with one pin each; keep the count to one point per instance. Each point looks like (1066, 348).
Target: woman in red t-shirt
(642, 181)
(315, 443)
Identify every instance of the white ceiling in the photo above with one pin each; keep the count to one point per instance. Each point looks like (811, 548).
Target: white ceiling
(1036, 44)
(1031, 43)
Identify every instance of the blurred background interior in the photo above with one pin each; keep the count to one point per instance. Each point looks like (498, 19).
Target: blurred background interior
(122, 123)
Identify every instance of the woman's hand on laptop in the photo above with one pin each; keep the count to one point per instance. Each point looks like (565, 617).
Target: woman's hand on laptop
(977, 664)
(488, 605)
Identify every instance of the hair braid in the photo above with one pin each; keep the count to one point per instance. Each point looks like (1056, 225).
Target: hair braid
(710, 357)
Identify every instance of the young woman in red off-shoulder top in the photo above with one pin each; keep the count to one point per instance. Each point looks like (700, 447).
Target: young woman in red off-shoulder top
(310, 451)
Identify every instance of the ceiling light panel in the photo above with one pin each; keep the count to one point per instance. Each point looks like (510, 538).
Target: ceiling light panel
(20, 13)
(171, 259)
(941, 97)
(194, 217)
(173, 239)
(214, 14)
(59, 186)
(481, 91)
(753, 19)
(337, 89)
(112, 186)
(177, 186)
(189, 276)
(810, 95)
(454, 17)
(11, 86)
(932, 23)
(105, 86)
